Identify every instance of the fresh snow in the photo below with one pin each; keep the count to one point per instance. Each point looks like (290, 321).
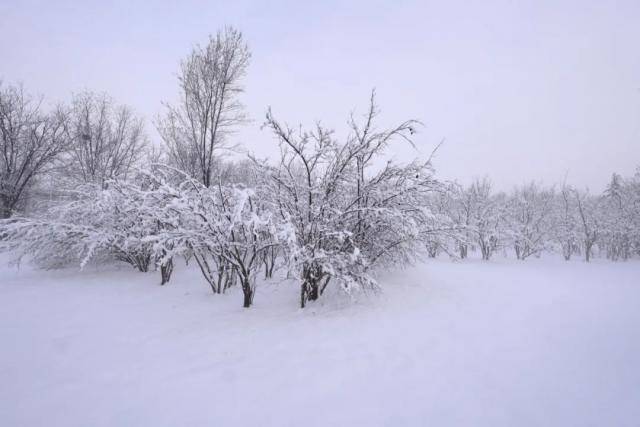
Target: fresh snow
(501, 343)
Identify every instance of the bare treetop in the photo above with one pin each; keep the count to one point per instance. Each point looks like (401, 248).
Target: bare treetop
(209, 110)
(108, 139)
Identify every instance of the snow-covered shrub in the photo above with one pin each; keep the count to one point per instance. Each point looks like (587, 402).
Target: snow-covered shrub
(224, 228)
(64, 235)
(105, 222)
(342, 215)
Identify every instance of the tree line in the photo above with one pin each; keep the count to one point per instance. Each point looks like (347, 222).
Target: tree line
(330, 212)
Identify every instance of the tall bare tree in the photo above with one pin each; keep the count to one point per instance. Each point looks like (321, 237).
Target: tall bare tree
(209, 109)
(107, 139)
(30, 141)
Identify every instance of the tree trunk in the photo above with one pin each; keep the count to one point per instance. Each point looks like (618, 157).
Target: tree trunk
(267, 270)
(314, 291)
(309, 291)
(165, 272)
(303, 294)
(566, 251)
(248, 292)
(463, 251)
(5, 213)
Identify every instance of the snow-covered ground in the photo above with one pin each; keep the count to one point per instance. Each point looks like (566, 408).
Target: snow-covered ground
(504, 343)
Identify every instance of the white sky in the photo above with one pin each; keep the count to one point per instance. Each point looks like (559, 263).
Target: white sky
(520, 90)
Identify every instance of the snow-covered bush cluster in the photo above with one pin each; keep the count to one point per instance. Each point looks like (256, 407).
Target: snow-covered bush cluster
(532, 219)
(329, 211)
(324, 212)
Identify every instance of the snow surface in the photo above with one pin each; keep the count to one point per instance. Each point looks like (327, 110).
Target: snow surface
(503, 343)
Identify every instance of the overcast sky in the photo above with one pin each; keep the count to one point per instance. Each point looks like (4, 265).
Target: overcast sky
(520, 90)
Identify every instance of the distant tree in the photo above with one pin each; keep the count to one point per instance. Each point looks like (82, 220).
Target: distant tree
(589, 220)
(209, 110)
(528, 218)
(487, 217)
(447, 226)
(565, 225)
(30, 141)
(107, 140)
(460, 210)
(620, 219)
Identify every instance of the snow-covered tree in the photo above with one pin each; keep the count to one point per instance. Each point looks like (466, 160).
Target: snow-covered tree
(589, 220)
(565, 227)
(487, 217)
(528, 219)
(460, 209)
(99, 222)
(224, 228)
(342, 215)
(448, 229)
(620, 223)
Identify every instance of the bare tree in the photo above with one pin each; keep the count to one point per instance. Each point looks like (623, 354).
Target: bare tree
(107, 139)
(209, 109)
(30, 141)
(588, 220)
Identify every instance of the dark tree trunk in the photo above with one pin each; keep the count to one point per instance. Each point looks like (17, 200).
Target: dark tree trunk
(432, 250)
(165, 272)
(248, 293)
(230, 278)
(6, 206)
(485, 250)
(141, 262)
(309, 291)
(310, 288)
(267, 270)
(463, 251)
(314, 291)
(566, 251)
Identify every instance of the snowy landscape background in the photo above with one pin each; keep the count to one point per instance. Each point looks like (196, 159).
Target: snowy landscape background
(342, 214)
